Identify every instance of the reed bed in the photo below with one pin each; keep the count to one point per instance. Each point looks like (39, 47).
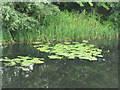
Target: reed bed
(70, 26)
(64, 26)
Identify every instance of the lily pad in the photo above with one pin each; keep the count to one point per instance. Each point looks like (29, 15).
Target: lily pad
(71, 57)
(99, 55)
(22, 61)
(37, 42)
(1, 59)
(92, 45)
(71, 50)
(75, 42)
(24, 57)
(10, 64)
(55, 57)
(85, 41)
(25, 69)
(36, 46)
(92, 59)
(26, 63)
(39, 62)
(66, 42)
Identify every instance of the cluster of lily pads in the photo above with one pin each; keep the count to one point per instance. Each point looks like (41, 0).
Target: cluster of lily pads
(70, 50)
(24, 62)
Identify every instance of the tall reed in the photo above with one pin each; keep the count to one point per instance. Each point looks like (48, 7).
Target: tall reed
(64, 26)
(71, 26)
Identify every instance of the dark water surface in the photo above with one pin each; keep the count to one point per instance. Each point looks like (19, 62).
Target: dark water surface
(64, 73)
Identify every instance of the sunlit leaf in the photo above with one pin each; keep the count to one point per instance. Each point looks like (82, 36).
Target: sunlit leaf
(54, 57)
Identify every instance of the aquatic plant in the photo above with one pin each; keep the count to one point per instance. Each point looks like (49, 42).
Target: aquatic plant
(71, 50)
(55, 57)
(24, 62)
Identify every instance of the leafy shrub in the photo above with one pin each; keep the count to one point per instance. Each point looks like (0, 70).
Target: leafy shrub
(106, 10)
(23, 23)
(36, 10)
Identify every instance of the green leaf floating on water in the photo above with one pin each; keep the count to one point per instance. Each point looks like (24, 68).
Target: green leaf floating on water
(25, 69)
(41, 45)
(76, 42)
(24, 57)
(71, 57)
(92, 59)
(36, 46)
(99, 50)
(72, 50)
(8, 60)
(1, 59)
(85, 41)
(22, 61)
(66, 42)
(26, 63)
(44, 49)
(99, 55)
(37, 42)
(39, 62)
(10, 64)
(92, 45)
(54, 57)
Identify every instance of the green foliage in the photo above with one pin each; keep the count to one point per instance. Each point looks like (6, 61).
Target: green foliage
(37, 10)
(23, 26)
(16, 23)
(42, 21)
(108, 11)
(70, 26)
(103, 4)
(100, 4)
(111, 8)
(115, 13)
(13, 20)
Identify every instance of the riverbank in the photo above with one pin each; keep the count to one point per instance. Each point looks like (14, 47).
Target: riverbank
(63, 26)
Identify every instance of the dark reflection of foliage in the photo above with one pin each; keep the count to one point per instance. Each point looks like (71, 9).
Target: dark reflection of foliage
(106, 43)
(67, 74)
(22, 49)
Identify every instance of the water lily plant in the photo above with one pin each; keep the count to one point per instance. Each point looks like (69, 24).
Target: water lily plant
(71, 50)
(24, 62)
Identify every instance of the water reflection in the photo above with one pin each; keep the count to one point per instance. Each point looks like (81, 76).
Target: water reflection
(64, 73)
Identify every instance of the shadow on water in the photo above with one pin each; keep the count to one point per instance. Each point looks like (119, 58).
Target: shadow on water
(64, 73)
